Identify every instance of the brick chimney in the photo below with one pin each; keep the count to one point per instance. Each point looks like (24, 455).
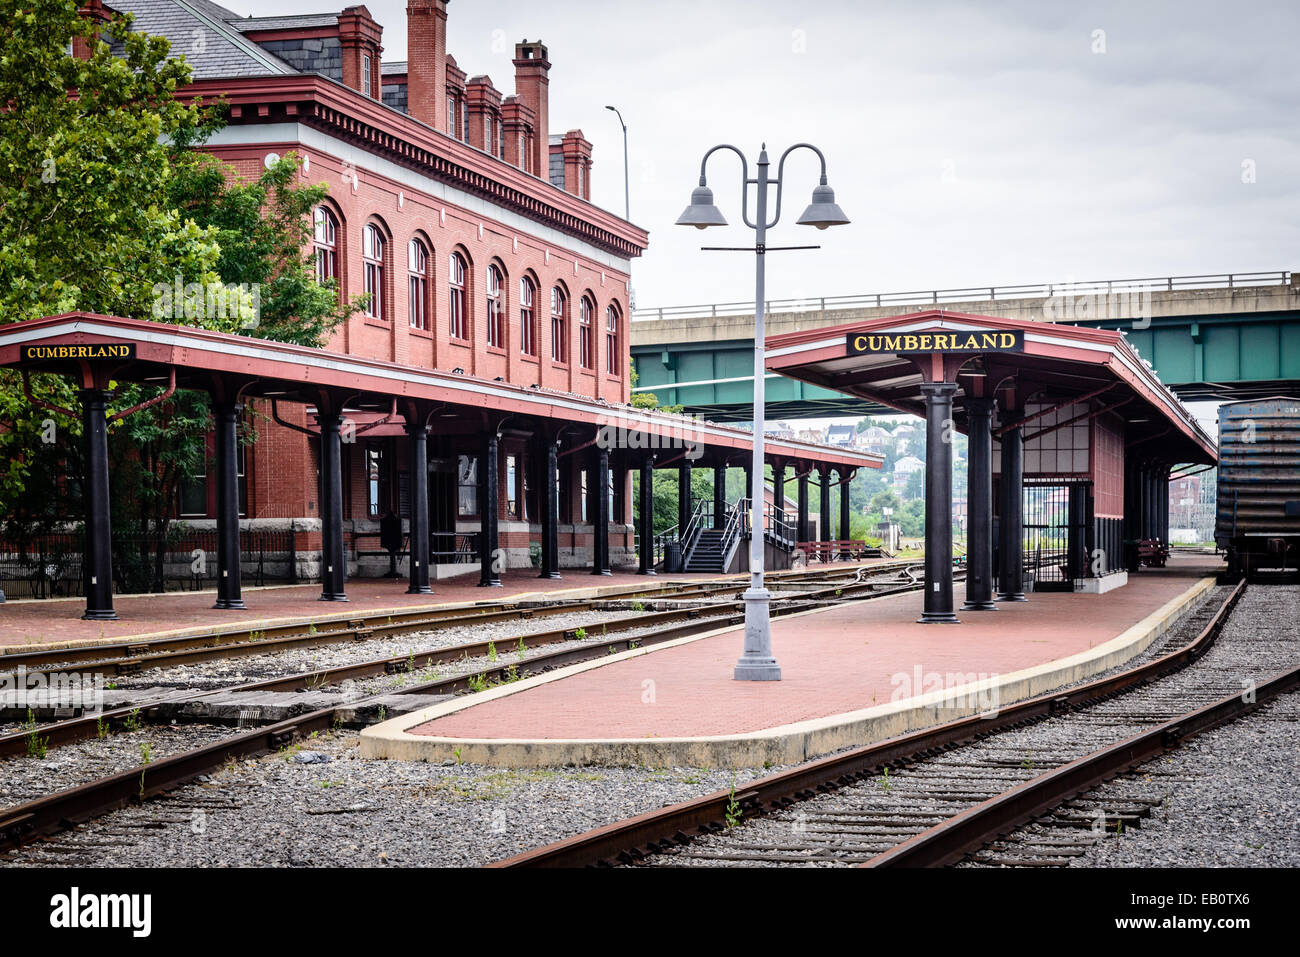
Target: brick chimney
(483, 100)
(532, 79)
(426, 67)
(360, 36)
(518, 120)
(94, 11)
(577, 164)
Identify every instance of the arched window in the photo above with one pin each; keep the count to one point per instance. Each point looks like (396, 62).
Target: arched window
(559, 325)
(458, 325)
(326, 242)
(527, 317)
(372, 258)
(496, 334)
(586, 350)
(613, 362)
(417, 270)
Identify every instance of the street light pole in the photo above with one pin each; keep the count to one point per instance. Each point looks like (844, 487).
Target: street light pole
(757, 663)
(627, 191)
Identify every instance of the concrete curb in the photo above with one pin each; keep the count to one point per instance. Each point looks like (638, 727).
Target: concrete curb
(787, 744)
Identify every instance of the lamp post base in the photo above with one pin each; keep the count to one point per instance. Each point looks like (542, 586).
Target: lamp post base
(757, 663)
(938, 618)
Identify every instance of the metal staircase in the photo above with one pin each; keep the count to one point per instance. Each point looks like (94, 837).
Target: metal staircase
(711, 549)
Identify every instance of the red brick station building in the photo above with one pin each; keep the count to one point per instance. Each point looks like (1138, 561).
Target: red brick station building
(470, 397)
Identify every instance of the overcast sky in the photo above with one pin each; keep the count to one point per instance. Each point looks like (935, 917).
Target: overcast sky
(970, 143)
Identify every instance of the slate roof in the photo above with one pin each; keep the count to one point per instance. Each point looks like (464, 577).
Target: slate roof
(201, 32)
(294, 21)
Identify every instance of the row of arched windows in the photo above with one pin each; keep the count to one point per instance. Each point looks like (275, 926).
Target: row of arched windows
(420, 302)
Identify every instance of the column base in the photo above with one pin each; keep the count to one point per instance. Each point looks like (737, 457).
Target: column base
(1013, 596)
(333, 596)
(99, 614)
(988, 605)
(419, 590)
(236, 604)
(602, 571)
(492, 583)
(554, 576)
(938, 618)
(649, 571)
(757, 669)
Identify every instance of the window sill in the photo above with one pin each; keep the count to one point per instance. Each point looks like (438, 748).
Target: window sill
(422, 333)
(533, 359)
(559, 365)
(378, 323)
(496, 351)
(459, 343)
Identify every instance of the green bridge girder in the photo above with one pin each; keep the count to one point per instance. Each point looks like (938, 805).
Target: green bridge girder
(1202, 358)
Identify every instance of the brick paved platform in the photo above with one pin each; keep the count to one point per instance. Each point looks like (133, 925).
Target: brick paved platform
(41, 622)
(852, 674)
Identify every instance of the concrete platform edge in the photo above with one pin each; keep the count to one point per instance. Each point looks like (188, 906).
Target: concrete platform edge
(788, 744)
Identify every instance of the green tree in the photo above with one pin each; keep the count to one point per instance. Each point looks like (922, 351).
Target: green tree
(107, 206)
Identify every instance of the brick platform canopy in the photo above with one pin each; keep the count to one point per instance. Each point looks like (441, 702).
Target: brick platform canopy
(833, 662)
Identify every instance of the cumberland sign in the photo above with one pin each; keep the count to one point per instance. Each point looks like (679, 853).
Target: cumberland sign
(98, 350)
(971, 340)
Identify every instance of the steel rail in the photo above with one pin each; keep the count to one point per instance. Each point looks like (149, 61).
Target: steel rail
(631, 839)
(89, 726)
(951, 840)
(56, 812)
(339, 629)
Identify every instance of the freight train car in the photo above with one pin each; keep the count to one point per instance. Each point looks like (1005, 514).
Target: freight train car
(1257, 521)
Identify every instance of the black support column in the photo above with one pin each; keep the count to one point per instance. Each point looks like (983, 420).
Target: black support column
(489, 545)
(719, 496)
(646, 518)
(803, 530)
(1011, 577)
(98, 570)
(938, 503)
(684, 505)
(600, 514)
(824, 531)
(979, 507)
(418, 447)
(846, 524)
(229, 592)
(551, 511)
(334, 569)
(778, 490)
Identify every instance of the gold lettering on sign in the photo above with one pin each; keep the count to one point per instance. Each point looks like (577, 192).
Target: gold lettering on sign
(976, 340)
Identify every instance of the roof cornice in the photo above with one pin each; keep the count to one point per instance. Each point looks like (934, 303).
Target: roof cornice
(344, 113)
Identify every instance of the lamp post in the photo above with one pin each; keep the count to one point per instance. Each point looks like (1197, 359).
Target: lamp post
(757, 662)
(627, 195)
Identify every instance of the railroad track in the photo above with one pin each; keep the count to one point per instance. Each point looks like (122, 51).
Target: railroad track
(58, 811)
(935, 796)
(133, 657)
